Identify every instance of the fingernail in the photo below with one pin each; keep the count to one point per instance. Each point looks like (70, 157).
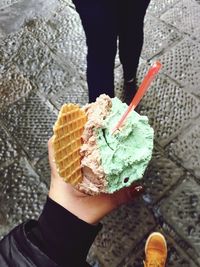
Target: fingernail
(136, 191)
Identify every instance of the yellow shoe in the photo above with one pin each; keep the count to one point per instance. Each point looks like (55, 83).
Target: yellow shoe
(155, 251)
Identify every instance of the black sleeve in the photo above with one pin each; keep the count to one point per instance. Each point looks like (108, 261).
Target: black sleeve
(62, 236)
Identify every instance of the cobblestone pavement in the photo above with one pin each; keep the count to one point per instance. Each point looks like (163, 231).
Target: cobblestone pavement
(42, 65)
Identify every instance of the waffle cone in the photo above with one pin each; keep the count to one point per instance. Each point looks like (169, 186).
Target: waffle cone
(68, 130)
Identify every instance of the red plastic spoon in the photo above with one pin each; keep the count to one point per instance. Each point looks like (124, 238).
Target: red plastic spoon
(153, 71)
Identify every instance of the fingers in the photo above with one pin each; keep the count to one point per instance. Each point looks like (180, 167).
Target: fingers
(52, 163)
(103, 204)
(88, 208)
(50, 150)
(127, 194)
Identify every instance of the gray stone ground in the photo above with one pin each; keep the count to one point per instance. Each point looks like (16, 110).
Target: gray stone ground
(42, 65)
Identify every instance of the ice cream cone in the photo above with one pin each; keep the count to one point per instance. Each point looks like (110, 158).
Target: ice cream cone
(68, 130)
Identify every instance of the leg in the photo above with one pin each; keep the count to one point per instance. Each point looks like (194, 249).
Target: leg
(131, 35)
(99, 22)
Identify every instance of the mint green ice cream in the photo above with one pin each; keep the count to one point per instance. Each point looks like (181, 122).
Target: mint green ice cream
(125, 154)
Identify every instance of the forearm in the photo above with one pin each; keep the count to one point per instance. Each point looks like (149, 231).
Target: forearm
(62, 236)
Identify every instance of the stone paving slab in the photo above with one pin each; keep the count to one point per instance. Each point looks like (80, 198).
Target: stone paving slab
(49, 29)
(196, 36)
(185, 148)
(15, 13)
(118, 81)
(22, 195)
(71, 45)
(6, 3)
(2, 34)
(55, 77)
(67, 3)
(121, 232)
(158, 36)
(76, 93)
(181, 210)
(176, 256)
(160, 176)
(48, 57)
(182, 64)
(44, 30)
(31, 56)
(9, 49)
(13, 86)
(178, 240)
(42, 167)
(8, 148)
(64, 34)
(30, 122)
(168, 107)
(158, 9)
(185, 16)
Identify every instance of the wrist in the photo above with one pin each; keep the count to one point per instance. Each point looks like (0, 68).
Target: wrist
(63, 230)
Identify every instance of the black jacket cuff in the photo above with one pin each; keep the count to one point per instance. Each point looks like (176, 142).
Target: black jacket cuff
(62, 236)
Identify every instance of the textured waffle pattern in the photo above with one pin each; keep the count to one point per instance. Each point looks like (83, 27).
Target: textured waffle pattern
(68, 130)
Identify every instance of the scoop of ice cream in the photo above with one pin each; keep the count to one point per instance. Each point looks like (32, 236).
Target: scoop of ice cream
(126, 153)
(112, 161)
